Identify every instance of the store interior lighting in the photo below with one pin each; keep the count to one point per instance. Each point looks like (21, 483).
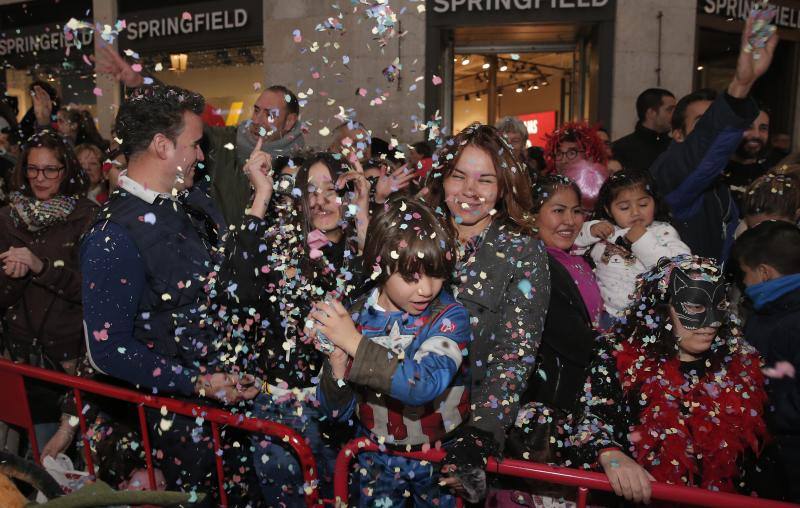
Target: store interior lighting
(178, 62)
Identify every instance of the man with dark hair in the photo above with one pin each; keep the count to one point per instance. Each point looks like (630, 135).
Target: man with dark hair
(769, 257)
(749, 161)
(706, 131)
(650, 138)
(276, 118)
(147, 265)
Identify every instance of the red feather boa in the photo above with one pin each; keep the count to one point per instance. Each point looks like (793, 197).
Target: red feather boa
(722, 419)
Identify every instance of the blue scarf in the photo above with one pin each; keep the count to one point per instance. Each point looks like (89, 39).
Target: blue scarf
(768, 291)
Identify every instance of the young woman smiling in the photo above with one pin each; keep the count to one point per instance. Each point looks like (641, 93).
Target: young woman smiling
(503, 282)
(40, 281)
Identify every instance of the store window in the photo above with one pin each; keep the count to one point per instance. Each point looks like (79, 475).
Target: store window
(531, 86)
(540, 62)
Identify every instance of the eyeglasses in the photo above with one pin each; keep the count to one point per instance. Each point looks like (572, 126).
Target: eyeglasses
(50, 172)
(569, 154)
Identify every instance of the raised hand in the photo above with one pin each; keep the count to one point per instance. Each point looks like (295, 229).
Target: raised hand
(109, 61)
(42, 106)
(391, 183)
(752, 62)
(258, 169)
(361, 199)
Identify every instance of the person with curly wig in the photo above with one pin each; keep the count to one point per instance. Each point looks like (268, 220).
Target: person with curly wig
(572, 143)
(576, 151)
(674, 393)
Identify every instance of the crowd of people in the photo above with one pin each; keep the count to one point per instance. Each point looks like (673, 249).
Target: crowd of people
(629, 307)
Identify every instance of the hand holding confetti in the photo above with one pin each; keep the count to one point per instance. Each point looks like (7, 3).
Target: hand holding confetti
(339, 360)
(753, 61)
(333, 320)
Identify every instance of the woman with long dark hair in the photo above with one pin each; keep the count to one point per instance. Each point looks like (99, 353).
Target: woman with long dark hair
(281, 261)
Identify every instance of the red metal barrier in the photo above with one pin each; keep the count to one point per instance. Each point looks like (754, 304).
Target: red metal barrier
(14, 410)
(583, 480)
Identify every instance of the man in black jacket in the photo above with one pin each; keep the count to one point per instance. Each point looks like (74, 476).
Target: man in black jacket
(639, 149)
(706, 131)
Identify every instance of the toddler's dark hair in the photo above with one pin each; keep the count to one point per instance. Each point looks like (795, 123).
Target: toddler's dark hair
(627, 179)
(408, 238)
(777, 195)
(774, 243)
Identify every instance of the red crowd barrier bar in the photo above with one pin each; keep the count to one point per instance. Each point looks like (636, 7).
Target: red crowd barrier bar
(583, 480)
(15, 410)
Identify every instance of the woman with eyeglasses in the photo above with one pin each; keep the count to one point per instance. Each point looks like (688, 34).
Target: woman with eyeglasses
(40, 284)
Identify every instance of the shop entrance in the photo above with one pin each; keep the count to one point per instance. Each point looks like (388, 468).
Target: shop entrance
(542, 74)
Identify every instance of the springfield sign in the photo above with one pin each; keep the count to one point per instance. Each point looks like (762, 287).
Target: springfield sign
(163, 29)
(787, 17)
(443, 6)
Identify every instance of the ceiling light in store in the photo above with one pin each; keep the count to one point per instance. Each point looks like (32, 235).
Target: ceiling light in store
(535, 87)
(478, 96)
(503, 68)
(178, 62)
(466, 97)
(519, 89)
(485, 66)
(545, 83)
(700, 67)
(465, 61)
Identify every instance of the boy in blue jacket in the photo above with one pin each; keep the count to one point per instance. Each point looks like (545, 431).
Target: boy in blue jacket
(769, 256)
(398, 363)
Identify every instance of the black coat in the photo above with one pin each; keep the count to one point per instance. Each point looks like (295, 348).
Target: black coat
(566, 348)
(506, 323)
(640, 148)
(775, 331)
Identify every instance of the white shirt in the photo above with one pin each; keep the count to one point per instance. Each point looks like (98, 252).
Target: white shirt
(616, 269)
(140, 191)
